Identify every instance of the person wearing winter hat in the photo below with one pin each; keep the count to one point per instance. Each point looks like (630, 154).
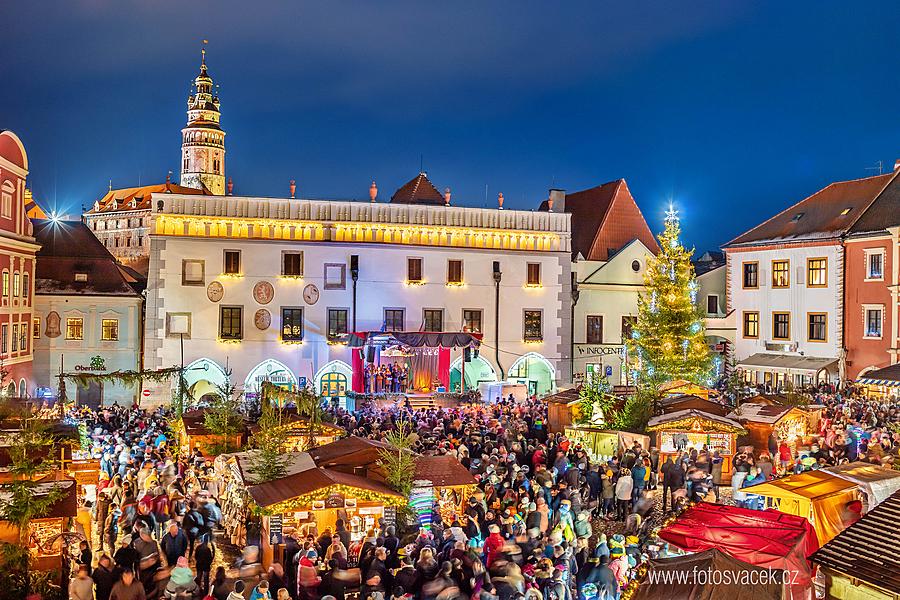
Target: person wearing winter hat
(181, 581)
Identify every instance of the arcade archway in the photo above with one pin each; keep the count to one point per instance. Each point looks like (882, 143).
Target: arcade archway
(203, 378)
(270, 370)
(333, 380)
(477, 371)
(536, 372)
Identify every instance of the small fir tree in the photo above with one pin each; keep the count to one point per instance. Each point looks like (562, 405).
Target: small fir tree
(271, 462)
(669, 339)
(222, 418)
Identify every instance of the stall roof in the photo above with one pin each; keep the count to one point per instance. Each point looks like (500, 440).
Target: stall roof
(443, 471)
(762, 413)
(270, 493)
(809, 485)
(195, 422)
(299, 462)
(784, 362)
(688, 401)
(415, 339)
(65, 506)
(889, 376)
(662, 420)
(765, 538)
(351, 451)
(867, 550)
(564, 396)
(876, 481)
(676, 578)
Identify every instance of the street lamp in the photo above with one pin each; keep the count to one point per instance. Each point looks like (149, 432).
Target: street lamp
(180, 325)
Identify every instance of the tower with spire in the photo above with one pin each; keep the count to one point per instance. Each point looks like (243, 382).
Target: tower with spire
(202, 140)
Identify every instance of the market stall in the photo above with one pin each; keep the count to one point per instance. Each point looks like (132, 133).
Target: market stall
(818, 496)
(875, 482)
(602, 444)
(559, 408)
(193, 433)
(450, 482)
(303, 435)
(680, 387)
(763, 538)
(676, 577)
(44, 536)
(763, 420)
(678, 402)
(685, 429)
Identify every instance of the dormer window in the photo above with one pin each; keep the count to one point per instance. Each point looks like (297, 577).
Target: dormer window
(81, 277)
(97, 205)
(797, 217)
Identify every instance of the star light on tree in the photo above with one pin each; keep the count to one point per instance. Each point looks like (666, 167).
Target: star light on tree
(669, 338)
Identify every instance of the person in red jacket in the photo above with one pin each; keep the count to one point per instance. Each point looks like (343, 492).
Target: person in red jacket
(493, 544)
(784, 455)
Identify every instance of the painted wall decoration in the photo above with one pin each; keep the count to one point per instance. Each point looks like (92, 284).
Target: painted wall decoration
(53, 320)
(263, 292)
(262, 319)
(215, 291)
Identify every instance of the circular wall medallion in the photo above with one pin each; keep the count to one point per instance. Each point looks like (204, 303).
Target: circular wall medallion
(311, 294)
(262, 319)
(263, 292)
(215, 291)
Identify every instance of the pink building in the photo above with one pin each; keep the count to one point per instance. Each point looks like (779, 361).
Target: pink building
(17, 252)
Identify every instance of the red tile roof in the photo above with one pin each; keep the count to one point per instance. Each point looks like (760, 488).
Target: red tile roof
(418, 190)
(120, 200)
(827, 214)
(443, 471)
(604, 220)
(310, 480)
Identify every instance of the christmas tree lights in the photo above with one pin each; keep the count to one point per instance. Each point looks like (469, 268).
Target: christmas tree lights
(669, 338)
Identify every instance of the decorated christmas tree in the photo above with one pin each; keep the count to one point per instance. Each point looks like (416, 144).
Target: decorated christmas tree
(668, 341)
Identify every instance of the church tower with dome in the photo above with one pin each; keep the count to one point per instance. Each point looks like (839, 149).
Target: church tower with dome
(202, 140)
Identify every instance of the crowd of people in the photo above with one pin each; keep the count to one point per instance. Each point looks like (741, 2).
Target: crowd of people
(546, 521)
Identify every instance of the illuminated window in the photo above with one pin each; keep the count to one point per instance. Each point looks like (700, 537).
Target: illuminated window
(816, 272)
(5, 284)
(109, 330)
(780, 274)
(232, 262)
(26, 286)
(74, 328)
(817, 327)
(472, 320)
(15, 338)
(751, 275)
(594, 329)
(23, 337)
(781, 326)
(36, 328)
(231, 322)
(4, 338)
(874, 321)
(751, 324)
(292, 324)
(17, 284)
(533, 277)
(533, 326)
(337, 323)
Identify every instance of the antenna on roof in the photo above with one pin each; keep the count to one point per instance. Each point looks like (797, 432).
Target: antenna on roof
(421, 163)
(878, 165)
(110, 185)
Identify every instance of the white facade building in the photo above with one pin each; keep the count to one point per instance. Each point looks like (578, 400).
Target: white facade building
(263, 287)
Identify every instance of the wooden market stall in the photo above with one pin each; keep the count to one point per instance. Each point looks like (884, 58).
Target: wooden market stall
(559, 412)
(692, 428)
(681, 387)
(451, 484)
(302, 435)
(46, 532)
(821, 497)
(763, 420)
(677, 402)
(193, 433)
(602, 444)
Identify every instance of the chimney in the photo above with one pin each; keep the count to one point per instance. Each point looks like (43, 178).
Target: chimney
(500, 200)
(230, 186)
(373, 191)
(169, 177)
(293, 188)
(447, 196)
(557, 200)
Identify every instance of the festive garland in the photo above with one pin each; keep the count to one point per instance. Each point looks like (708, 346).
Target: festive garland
(707, 426)
(304, 501)
(125, 378)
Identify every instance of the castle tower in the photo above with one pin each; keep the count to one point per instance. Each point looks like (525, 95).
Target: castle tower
(202, 140)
